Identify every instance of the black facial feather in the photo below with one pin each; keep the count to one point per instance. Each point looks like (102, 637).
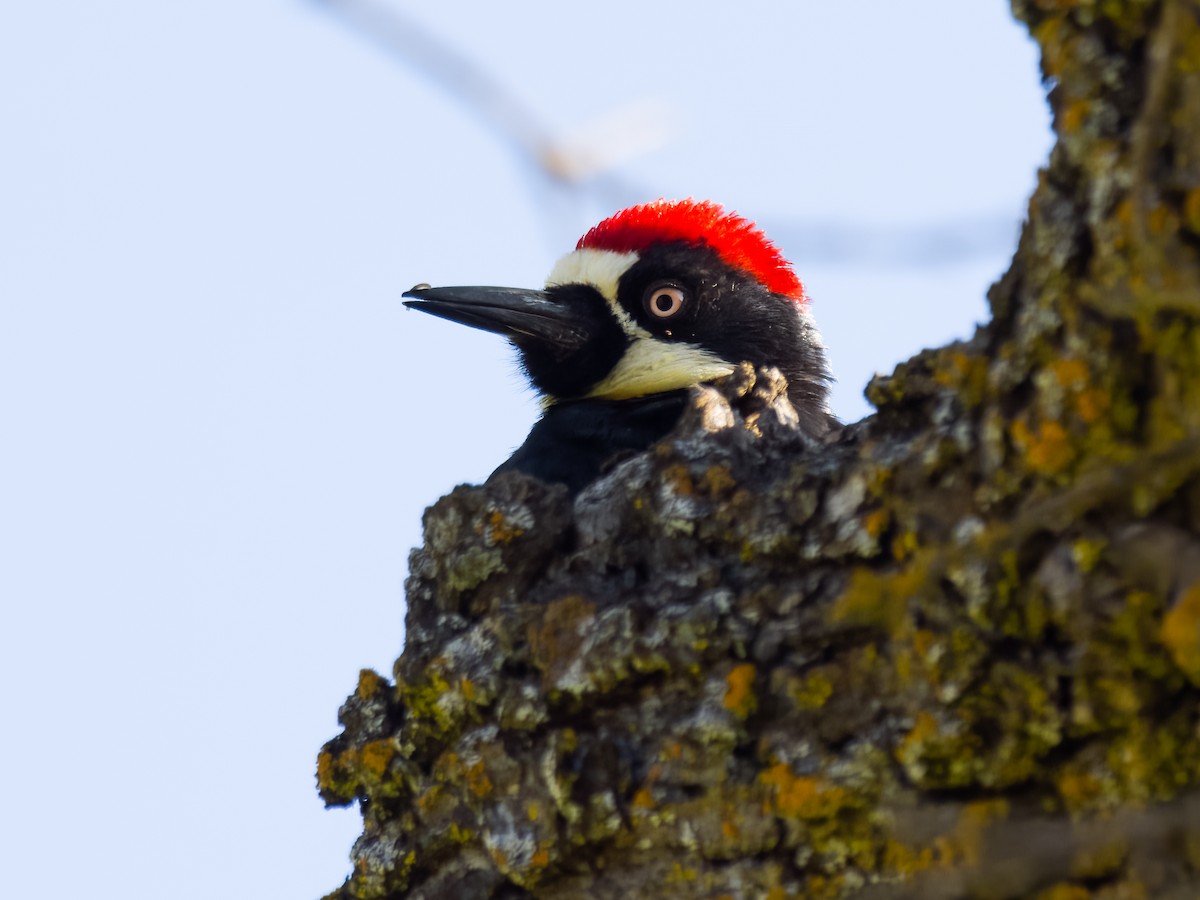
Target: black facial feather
(564, 375)
(731, 314)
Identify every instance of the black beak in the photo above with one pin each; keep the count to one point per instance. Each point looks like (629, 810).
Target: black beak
(523, 316)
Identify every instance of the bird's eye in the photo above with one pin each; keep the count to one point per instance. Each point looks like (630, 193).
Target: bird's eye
(664, 300)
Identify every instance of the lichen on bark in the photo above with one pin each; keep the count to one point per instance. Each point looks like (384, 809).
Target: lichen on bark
(954, 652)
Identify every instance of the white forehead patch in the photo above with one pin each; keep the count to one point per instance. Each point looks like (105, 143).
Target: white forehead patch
(602, 269)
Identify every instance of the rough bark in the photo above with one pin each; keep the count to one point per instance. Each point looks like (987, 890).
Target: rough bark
(954, 653)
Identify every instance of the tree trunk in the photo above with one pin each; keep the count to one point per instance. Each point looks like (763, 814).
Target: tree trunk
(954, 653)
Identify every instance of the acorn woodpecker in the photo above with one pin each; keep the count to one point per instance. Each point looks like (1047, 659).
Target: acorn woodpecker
(653, 300)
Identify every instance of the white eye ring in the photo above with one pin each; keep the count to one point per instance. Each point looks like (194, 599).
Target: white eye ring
(664, 301)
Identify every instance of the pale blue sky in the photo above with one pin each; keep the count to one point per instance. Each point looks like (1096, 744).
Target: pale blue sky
(220, 425)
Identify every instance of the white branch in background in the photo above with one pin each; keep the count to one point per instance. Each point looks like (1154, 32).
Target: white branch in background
(583, 164)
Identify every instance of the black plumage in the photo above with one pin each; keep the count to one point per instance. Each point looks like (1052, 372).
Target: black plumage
(576, 441)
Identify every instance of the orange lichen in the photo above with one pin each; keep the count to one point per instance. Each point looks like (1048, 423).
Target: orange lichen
(905, 545)
(972, 823)
(368, 684)
(338, 774)
(739, 696)
(500, 530)
(717, 479)
(426, 799)
(823, 887)
(1191, 209)
(1071, 373)
(1079, 790)
(962, 373)
(376, 755)
(1064, 892)
(1048, 36)
(325, 770)
(477, 780)
(1180, 632)
(875, 521)
(447, 766)
(555, 639)
(643, 799)
(800, 796)
(923, 641)
(1047, 449)
(1092, 403)
(907, 860)
(881, 599)
(951, 375)
(923, 729)
(680, 480)
(1159, 220)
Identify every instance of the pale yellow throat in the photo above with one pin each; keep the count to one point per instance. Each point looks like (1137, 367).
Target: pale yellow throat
(651, 366)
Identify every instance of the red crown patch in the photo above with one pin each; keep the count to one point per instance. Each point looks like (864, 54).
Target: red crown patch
(738, 241)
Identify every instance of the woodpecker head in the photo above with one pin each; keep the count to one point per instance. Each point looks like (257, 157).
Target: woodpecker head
(653, 299)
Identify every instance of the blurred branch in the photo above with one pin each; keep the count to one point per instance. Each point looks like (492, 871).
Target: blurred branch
(582, 165)
(625, 133)
(1014, 856)
(457, 74)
